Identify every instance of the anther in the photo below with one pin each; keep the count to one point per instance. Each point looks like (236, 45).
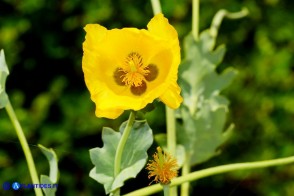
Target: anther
(153, 72)
(118, 75)
(139, 90)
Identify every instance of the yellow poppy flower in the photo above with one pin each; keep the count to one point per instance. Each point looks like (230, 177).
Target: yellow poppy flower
(125, 69)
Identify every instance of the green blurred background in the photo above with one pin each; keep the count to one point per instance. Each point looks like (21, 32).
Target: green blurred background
(43, 47)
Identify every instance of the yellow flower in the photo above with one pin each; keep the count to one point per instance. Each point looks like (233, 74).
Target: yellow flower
(125, 69)
(163, 168)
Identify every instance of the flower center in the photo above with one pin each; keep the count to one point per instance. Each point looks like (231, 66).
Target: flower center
(135, 74)
(134, 70)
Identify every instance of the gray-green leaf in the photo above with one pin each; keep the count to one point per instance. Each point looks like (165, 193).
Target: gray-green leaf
(203, 110)
(134, 155)
(3, 75)
(54, 173)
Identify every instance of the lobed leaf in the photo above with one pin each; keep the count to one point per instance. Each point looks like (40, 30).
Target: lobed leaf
(204, 110)
(134, 155)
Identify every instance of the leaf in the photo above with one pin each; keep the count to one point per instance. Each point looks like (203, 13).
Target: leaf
(53, 175)
(3, 75)
(204, 110)
(134, 155)
(48, 191)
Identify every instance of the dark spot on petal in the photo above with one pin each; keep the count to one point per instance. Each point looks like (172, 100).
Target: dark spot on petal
(118, 76)
(139, 90)
(152, 74)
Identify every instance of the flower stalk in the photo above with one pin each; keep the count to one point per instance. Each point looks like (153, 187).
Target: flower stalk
(186, 169)
(166, 190)
(171, 130)
(195, 19)
(171, 140)
(25, 147)
(156, 6)
(195, 32)
(121, 145)
(221, 14)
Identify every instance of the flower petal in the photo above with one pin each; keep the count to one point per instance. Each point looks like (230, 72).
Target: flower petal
(95, 34)
(160, 27)
(110, 113)
(171, 97)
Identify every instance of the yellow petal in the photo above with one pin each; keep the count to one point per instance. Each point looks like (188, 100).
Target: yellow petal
(172, 97)
(110, 113)
(160, 27)
(95, 34)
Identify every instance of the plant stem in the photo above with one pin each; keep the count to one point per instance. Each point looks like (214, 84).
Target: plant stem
(171, 131)
(186, 170)
(195, 32)
(166, 190)
(213, 171)
(25, 147)
(219, 16)
(195, 19)
(171, 139)
(156, 6)
(121, 146)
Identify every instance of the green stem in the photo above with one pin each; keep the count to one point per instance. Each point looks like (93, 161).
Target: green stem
(195, 33)
(156, 6)
(166, 190)
(171, 131)
(195, 19)
(25, 147)
(121, 146)
(219, 16)
(171, 139)
(213, 171)
(186, 170)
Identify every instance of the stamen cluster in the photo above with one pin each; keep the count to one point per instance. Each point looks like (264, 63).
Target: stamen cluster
(163, 168)
(135, 74)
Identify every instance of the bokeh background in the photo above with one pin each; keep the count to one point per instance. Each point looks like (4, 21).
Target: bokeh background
(43, 47)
